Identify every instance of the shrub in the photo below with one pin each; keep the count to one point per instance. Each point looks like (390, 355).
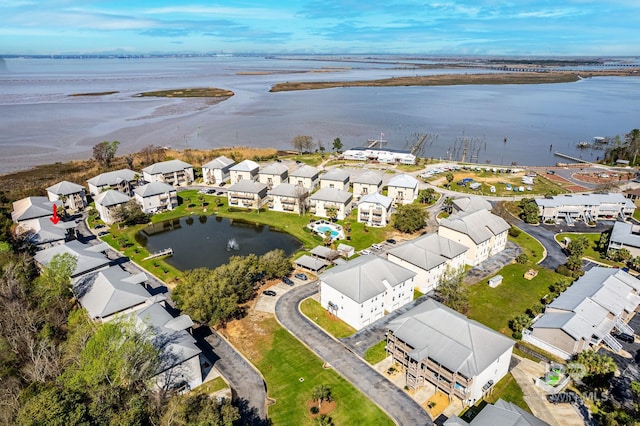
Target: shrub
(563, 270)
(314, 410)
(514, 232)
(522, 259)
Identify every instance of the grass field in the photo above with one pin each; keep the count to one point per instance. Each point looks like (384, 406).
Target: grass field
(329, 323)
(530, 246)
(592, 251)
(284, 361)
(509, 390)
(494, 307)
(376, 353)
(498, 181)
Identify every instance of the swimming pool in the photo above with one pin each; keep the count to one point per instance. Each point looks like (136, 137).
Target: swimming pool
(322, 227)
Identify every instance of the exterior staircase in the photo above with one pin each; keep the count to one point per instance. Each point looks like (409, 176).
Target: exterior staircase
(622, 327)
(612, 343)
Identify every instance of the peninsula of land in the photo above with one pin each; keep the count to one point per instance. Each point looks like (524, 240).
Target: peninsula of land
(534, 77)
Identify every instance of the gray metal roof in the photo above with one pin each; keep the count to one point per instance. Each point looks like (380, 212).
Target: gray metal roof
(333, 195)
(169, 166)
(376, 198)
(364, 278)
(288, 190)
(305, 171)
(221, 162)
(311, 263)
(248, 186)
(479, 225)
(276, 169)
(449, 338)
(324, 252)
(65, 188)
(623, 233)
(369, 177)
(111, 197)
(44, 231)
(403, 181)
(336, 175)
(31, 208)
(154, 188)
(88, 257)
(176, 345)
(471, 204)
(428, 251)
(585, 200)
(113, 178)
(502, 413)
(110, 291)
(245, 166)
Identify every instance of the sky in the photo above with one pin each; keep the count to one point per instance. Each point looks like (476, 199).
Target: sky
(440, 27)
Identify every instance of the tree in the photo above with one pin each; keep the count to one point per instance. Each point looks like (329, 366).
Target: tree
(577, 246)
(301, 194)
(275, 264)
(104, 152)
(452, 292)
(448, 204)
(427, 196)
(200, 409)
(302, 143)
(337, 145)
(321, 393)
(449, 177)
(332, 212)
(409, 218)
(530, 210)
(518, 324)
(599, 368)
(130, 213)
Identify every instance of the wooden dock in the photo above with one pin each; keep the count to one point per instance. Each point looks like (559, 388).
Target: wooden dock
(569, 157)
(165, 252)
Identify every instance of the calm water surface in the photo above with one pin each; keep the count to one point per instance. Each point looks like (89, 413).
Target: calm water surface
(201, 241)
(41, 123)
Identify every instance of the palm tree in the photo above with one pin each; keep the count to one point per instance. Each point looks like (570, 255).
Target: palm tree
(448, 204)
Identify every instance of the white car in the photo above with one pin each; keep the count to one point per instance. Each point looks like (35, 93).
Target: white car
(365, 252)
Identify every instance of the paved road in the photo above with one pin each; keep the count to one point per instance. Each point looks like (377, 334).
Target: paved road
(250, 392)
(403, 409)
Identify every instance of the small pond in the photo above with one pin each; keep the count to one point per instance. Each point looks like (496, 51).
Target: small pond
(209, 241)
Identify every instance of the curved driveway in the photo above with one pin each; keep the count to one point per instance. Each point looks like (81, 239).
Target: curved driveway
(402, 408)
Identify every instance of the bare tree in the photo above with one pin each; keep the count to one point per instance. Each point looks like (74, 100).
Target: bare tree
(302, 143)
(301, 197)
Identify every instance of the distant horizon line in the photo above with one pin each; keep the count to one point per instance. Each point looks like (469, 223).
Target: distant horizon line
(125, 55)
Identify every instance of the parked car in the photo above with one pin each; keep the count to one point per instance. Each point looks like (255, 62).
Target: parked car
(365, 252)
(287, 281)
(269, 293)
(222, 184)
(301, 276)
(103, 233)
(100, 226)
(391, 241)
(625, 337)
(376, 246)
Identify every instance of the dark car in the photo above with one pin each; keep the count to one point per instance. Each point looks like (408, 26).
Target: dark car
(287, 281)
(391, 241)
(301, 276)
(269, 293)
(102, 234)
(99, 226)
(625, 337)
(222, 184)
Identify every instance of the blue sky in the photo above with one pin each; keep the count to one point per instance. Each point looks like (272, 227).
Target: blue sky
(491, 27)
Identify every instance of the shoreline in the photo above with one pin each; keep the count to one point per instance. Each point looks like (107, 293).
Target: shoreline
(538, 77)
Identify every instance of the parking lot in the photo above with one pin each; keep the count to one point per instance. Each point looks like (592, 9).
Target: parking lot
(266, 303)
(627, 362)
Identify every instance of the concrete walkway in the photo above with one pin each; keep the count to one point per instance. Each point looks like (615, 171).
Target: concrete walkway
(525, 373)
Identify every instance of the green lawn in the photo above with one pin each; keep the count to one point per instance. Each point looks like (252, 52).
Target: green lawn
(530, 246)
(376, 353)
(283, 361)
(329, 323)
(211, 386)
(417, 293)
(494, 307)
(592, 251)
(509, 390)
(195, 204)
(636, 212)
